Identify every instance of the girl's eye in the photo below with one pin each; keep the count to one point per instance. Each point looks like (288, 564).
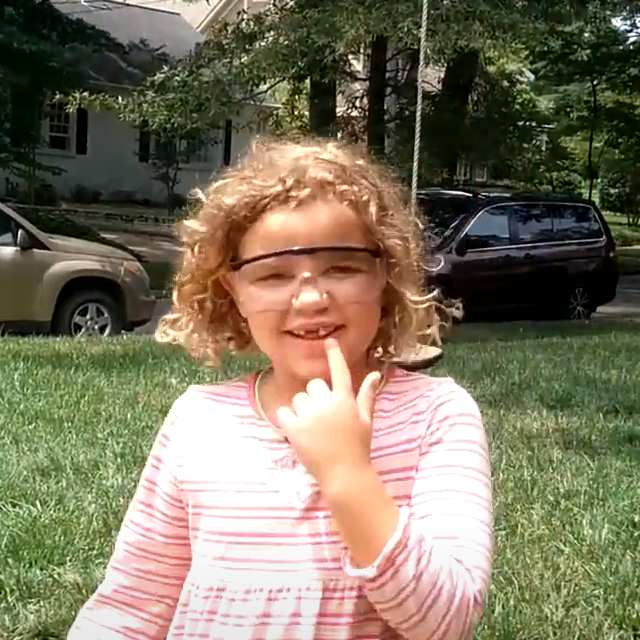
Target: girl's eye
(271, 277)
(343, 270)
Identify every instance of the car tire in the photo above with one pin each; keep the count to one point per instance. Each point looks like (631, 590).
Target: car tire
(97, 311)
(579, 305)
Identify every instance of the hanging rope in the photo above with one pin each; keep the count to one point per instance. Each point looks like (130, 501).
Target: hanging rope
(419, 102)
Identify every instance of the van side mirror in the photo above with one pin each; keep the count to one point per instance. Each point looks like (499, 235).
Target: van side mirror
(23, 241)
(462, 247)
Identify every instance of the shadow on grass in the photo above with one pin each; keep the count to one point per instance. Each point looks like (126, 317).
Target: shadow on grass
(519, 331)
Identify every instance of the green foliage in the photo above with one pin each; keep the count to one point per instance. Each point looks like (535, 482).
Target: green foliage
(41, 46)
(42, 51)
(551, 103)
(583, 66)
(175, 108)
(620, 191)
(291, 118)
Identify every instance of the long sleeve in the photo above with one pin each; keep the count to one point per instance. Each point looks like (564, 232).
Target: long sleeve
(430, 581)
(152, 555)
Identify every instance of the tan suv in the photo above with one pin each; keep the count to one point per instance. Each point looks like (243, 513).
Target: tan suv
(67, 286)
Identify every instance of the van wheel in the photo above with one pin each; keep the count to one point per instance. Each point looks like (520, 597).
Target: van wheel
(88, 314)
(579, 306)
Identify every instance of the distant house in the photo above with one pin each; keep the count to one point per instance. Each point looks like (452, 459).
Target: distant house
(99, 152)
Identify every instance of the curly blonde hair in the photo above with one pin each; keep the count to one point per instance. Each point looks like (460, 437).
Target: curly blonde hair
(204, 317)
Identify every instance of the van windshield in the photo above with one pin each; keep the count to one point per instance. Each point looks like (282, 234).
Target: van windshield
(453, 230)
(442, 210)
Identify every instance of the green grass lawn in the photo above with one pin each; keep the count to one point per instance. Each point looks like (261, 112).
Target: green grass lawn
(624, 235)
(562, 409)
(629, 260)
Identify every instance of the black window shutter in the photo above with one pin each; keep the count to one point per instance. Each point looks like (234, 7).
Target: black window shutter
(144, 145)
(82, 131)
(228, 136)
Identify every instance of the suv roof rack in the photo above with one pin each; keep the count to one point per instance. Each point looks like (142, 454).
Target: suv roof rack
(484, 186)
(547, 195)
(454, 190)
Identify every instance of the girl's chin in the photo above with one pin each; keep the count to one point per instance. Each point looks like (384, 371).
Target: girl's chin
(310, 368)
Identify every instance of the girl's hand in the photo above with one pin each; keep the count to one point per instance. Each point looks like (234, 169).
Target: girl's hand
(330, 428)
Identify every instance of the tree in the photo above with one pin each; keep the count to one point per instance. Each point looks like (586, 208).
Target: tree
(173, 118)
(582, 65)
(42, 51)
(293, 49)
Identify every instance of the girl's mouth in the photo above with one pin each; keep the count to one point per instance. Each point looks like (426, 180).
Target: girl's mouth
(319, 333)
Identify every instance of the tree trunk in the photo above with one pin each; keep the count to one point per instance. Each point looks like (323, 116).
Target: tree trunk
(323, 89)
(320, 67)
(376, 96)
(592, 132)
(451, 108)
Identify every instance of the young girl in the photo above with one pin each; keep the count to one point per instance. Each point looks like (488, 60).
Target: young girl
(329, 495)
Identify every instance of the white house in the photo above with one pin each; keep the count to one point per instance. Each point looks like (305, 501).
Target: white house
(99, 152)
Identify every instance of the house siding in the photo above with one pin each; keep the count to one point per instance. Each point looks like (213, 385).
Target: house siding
(111, 163)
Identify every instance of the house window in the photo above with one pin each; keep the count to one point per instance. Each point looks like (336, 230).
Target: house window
(227, 143)
(464, 171)
(197, 151)
(481, 173)
(59, 130)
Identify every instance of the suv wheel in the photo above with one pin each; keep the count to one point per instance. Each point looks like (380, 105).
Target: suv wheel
(579, 304)
(87, 314)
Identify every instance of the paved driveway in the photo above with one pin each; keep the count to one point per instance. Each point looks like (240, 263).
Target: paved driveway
(626, 303)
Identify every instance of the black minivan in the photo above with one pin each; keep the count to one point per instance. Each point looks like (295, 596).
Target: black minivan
(520, 251)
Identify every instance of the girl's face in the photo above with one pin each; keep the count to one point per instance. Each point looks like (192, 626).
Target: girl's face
(305, 274)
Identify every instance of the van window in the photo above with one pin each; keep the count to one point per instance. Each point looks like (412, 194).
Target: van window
(576, 222)
(533, 222)
(7, 230)
(489, 230)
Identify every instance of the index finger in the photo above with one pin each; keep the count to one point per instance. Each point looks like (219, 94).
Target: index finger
(340, 374)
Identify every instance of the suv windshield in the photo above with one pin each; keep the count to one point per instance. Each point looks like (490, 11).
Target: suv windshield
(58, 224)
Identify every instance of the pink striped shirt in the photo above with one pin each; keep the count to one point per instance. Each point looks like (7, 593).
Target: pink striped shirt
(227, 537)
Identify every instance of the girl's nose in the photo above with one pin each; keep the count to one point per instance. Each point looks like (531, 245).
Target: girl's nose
(309, 293)
(310, 297)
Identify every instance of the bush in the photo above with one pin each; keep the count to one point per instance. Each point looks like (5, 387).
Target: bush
(620, 192)
(625, 236)
(565, 182)
(85, 195)
(46, 195)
